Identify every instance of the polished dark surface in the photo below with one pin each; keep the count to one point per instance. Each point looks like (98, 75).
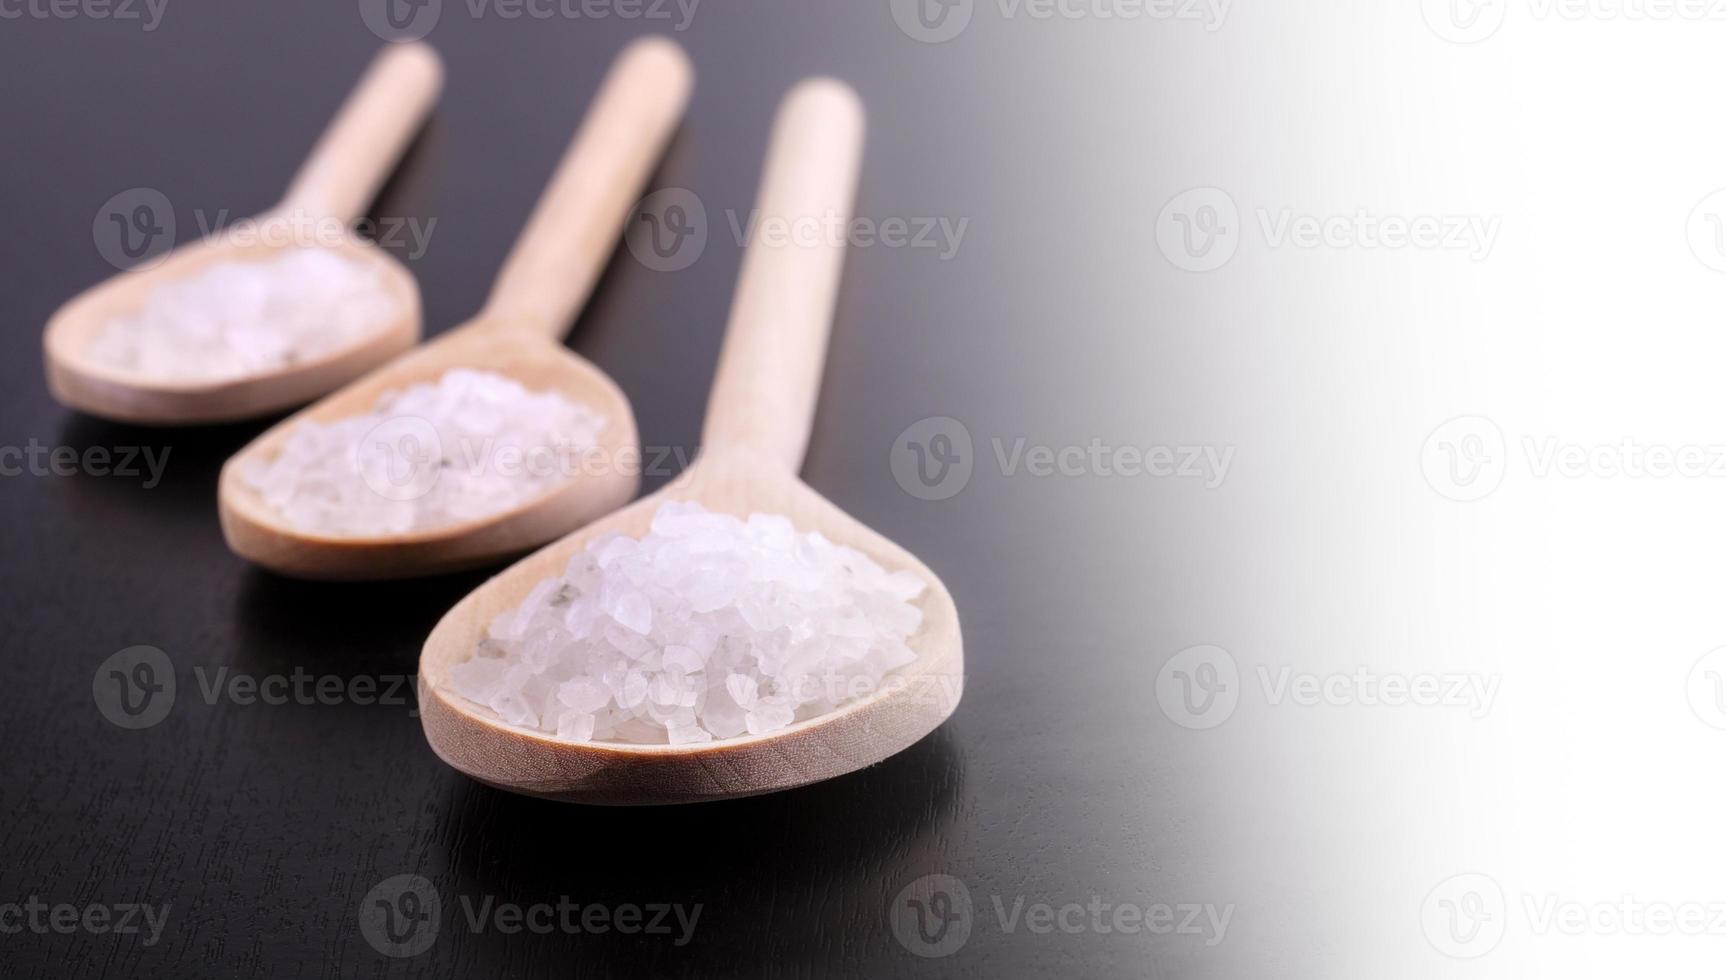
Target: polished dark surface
(263, 827)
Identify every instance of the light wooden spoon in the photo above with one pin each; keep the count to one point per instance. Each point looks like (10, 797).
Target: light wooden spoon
(327, 196)
(546, 278)
(758, 421)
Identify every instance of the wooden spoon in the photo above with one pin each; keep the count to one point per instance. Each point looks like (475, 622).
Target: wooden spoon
(758, 421)
(330, 192)
(546, 278)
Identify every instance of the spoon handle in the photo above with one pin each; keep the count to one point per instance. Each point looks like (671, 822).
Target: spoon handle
(373, 127)
(574, 227)
(770, 365)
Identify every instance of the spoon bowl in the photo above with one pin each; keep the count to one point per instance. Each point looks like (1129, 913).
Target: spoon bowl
(909, 704)
(112, 391)
(758, 420)
(546, 278)
(599, 482)
(332, 188)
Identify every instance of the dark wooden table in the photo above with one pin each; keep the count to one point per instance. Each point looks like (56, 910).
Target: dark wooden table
(1017, 299)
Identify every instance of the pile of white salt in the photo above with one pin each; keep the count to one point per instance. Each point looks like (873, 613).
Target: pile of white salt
(705, 628)
(234, 319)
(469, 446)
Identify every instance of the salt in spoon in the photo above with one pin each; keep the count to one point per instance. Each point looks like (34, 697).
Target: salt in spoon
(758, 421)
(331, 190)
(518, 333)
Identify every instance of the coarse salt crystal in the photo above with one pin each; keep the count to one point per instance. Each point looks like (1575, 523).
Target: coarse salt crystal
(575, 726)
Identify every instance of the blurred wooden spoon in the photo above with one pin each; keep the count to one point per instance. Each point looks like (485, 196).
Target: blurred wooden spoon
(331, 190)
